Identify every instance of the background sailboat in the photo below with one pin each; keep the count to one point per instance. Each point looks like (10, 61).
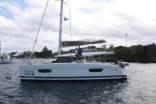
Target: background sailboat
(4, 58)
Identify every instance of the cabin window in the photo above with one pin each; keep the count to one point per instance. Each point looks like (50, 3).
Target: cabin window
(95, 70)
(44, 70)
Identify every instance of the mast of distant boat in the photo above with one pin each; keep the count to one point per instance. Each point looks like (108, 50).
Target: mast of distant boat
(25, 52)
(0, 48)
(60, 29)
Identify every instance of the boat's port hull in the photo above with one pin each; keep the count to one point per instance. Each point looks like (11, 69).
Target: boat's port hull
(71, 72)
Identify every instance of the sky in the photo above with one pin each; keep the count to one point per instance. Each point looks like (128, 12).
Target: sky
(88, 19)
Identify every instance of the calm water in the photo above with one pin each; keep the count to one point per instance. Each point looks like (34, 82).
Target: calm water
(140, 88)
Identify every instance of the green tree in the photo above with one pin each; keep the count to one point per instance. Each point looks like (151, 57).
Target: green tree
(111, 47)
(46, 53)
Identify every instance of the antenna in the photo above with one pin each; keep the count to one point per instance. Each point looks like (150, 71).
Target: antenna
(126, 38)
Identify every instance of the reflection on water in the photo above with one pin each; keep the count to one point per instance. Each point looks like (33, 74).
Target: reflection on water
(138, 89)
(71, 92)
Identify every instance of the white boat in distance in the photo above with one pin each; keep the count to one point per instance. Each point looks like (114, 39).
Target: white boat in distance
(66, 68)
(5, 59)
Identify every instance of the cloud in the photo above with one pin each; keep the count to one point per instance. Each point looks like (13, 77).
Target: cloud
(90, 19)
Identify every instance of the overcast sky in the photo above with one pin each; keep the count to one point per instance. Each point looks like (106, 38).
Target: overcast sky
(90, 19)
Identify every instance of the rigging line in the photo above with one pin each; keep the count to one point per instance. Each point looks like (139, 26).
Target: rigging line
(70, 21)
(70, 24)
(98, 21)
(38, 32)
(82, 30)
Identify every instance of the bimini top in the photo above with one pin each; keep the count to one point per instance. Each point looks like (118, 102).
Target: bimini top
(81, 42)
(84, 54)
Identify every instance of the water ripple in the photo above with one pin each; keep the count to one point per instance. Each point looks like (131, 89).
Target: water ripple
(138, 89)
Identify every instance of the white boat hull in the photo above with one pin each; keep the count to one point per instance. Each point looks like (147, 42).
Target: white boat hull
(71, 71)
(5, 61)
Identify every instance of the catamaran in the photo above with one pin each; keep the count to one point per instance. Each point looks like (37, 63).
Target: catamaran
(66, 67)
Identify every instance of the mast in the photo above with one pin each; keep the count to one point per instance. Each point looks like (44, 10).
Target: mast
(60, 29)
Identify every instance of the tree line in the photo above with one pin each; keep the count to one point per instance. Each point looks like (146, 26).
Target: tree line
(135, 53)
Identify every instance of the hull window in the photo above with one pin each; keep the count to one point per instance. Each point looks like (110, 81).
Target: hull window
(44, 70)
(95, 70)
